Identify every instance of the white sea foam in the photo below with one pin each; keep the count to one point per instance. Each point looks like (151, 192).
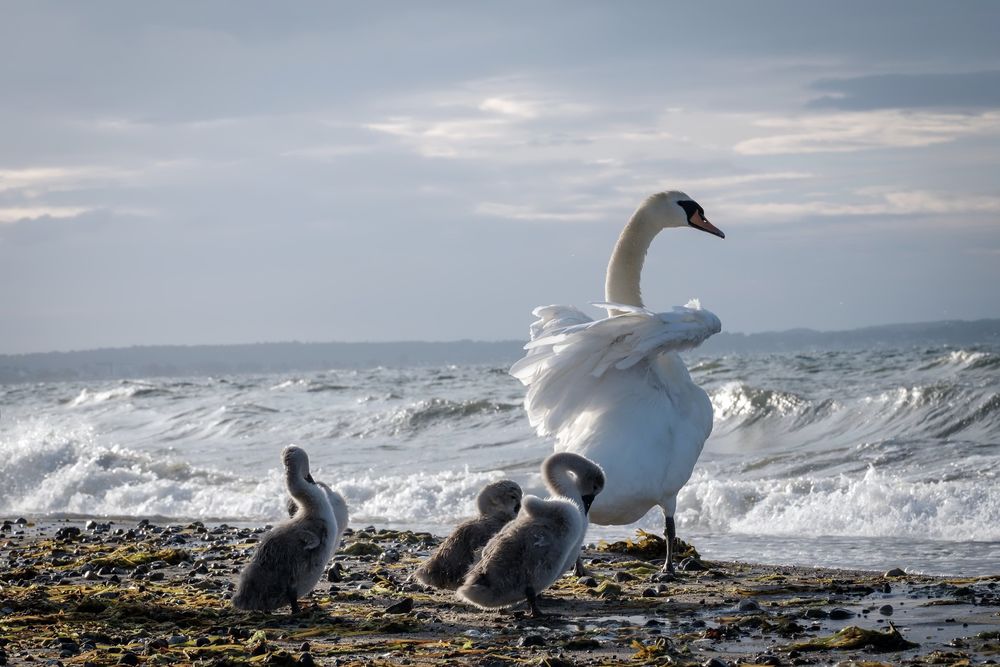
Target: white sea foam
(877, 504)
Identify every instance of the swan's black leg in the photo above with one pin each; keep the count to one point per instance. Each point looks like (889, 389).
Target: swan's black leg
(670, 534)
(533, 610)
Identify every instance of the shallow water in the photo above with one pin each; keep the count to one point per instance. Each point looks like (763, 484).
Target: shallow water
(871, 459)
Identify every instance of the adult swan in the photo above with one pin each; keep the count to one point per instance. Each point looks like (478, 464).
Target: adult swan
(615, 390)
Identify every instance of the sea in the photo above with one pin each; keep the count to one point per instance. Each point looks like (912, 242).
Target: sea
(871, 459)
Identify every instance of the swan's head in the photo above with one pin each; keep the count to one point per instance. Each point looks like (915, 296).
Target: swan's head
(296, 463)
(676, 209)
(500, 498)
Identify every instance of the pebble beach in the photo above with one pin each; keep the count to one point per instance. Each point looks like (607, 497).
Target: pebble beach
(98, 592)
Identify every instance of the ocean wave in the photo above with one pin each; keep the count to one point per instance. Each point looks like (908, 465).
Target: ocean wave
(127, 391)
(68, 470)
(737, 399)
(875, 504)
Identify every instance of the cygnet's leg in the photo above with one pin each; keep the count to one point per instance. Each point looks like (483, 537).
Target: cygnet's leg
(293, 600)
(578, 569)
(533, 610)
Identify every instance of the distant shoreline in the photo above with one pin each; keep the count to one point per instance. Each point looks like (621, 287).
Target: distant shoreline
(200, 360)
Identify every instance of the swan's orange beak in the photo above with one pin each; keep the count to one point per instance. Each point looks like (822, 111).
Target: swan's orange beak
(698, 221)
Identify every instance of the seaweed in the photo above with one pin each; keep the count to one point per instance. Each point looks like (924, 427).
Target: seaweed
(853, 637)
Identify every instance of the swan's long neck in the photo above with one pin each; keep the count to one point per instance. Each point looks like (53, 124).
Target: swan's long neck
(310, 497)
(625, 267)
(556, 474)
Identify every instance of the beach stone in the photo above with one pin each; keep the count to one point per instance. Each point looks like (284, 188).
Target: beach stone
(90, 575)
(589, 582)
(691, 565)
(531, 640)
(334, 574)
(404, 606)
(749, 605)
(202, 641)
(839, 614)
(22, 521)
(304, 647)
(173, 640)
(885, 610)
(91, 525)
(895, 572)
(816, 613)
(649, 593)
(715, 662)
(128, 658)
(306, 659)
(623, 576)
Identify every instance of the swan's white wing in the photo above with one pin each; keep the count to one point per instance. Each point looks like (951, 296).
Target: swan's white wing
(565, 362)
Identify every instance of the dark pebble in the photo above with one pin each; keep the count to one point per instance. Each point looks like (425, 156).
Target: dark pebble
(531, 640)
(404, 606)
(128, 659)
(589, 582)
(306, 659)
(767, 659)
(649, 593)
(304, 648)
(715, 662)
(749, 605)
(333, 575)
(623, 576)
(91, 525)
(816, 613)
(895, 572)
(885, 610)
(202, 641)
(839, 614)
(691, 565)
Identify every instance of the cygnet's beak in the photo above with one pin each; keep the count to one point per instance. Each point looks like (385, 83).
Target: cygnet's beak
(698, 221)
(517, 508)
(309, 478)
(587, 500)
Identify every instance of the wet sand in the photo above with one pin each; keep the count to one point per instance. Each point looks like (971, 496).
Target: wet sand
(98, 593)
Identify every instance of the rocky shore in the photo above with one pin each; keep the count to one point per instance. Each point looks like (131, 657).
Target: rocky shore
(101, 593)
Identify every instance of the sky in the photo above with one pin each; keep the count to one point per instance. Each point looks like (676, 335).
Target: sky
(233, 172)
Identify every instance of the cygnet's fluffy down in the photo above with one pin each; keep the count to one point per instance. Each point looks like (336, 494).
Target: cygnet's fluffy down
(291, 558)
(533, 550)
(498, 504)
(339, 506)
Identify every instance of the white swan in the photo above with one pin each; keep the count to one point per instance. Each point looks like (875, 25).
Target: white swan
(542, 542)
(291, 558)
(614, 389)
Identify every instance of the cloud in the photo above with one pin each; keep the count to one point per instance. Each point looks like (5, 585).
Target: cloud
(33, 180)
(962, 90)
(903, 202)
(530, 213)
(858, 131)
(23, 214)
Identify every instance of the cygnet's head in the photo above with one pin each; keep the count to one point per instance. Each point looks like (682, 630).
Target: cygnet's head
(296, 463)
(501, 498)
(675, 209)
(590, 481)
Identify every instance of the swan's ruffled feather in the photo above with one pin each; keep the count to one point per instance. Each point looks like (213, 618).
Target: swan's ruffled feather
(569, 353)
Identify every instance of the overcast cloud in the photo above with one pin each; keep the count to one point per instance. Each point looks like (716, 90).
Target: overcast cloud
(238, 172)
